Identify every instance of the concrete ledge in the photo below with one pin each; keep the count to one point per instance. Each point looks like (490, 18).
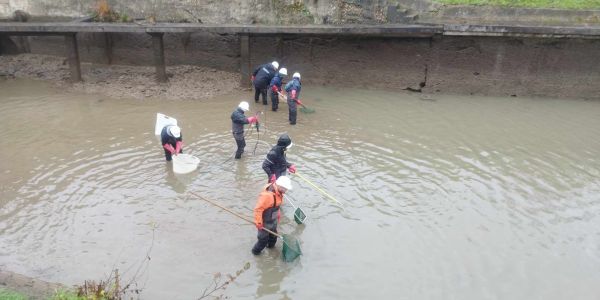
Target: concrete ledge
(522, 31)
(418, 31)
(367, 30)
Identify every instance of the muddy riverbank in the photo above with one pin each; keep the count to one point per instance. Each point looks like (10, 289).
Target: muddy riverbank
(461, 65)
(28, 286)
(118, 81)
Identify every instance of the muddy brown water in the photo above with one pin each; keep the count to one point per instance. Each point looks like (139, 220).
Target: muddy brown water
(444, 197)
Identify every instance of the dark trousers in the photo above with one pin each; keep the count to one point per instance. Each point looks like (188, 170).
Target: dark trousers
(265, 239)
(274, 101)
(168, 155)
(292, 105)
(260, 91)
(241, 144)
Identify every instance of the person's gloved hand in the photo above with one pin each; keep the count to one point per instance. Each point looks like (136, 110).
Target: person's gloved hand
(292, 169)
(273, 178)
(294, 94)
(299, 102)
(274, 89)
(169, 148)
(252, 119)
(178, 147)
(252, 78)
(259, 226)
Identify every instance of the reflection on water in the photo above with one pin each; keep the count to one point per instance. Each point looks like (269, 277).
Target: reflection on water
(443, 197)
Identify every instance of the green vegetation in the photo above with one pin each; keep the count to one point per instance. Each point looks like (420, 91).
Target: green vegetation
(563, 4)
(69, 295)
(9, 295)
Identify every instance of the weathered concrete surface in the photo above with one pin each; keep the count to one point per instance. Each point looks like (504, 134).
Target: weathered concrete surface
(398, 30)
(233, 11)
(307, 12)
(464, 14)
(445, 64)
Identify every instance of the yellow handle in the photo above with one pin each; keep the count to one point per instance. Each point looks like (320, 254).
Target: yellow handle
(318, 189)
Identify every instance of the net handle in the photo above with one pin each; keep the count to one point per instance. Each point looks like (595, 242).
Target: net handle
(235, 214)
(282, 95)
(289, 199)
(318, 188)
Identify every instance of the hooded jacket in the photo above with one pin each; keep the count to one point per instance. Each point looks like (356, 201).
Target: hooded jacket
(276, 161)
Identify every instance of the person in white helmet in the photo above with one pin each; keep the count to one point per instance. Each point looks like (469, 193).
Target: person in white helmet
(238, 120)
(267, 214)
(172, 141)
(292, 89)
(261, 77)
(276, 88)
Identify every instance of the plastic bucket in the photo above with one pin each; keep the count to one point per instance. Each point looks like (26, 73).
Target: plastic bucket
(184, 163)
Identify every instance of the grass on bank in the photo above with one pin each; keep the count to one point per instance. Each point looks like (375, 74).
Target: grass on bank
(58, 295)
(562, 4)
(10, 295)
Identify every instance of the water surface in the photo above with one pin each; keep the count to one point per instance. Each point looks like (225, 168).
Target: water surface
(444, 197)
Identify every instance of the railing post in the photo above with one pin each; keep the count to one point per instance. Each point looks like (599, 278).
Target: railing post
(73, 56)
(244, 60)
(159, 56)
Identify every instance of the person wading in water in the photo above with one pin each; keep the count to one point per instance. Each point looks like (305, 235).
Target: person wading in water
(267, 213)
(238, 120)
(172, 141)
(275, 164)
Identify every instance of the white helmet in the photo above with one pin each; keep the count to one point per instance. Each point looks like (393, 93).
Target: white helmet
(284, 182)
(283, 71)
(175, 131)
(296, 75)
(275, 65)
(244, 106)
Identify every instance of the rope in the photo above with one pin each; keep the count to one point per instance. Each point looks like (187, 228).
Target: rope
(318, 189)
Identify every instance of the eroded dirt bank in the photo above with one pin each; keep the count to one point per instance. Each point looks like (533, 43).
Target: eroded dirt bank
(118, 81)
(496, 66)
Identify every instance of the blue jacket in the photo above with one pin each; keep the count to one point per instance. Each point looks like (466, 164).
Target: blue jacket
(293, 85)
(276, 81)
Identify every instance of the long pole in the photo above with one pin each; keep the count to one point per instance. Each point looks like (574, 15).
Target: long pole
(235, 214)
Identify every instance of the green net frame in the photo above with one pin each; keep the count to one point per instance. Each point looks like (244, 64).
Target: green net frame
(291, 248)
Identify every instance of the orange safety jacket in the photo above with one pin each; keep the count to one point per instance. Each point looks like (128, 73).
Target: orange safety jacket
(267, 205)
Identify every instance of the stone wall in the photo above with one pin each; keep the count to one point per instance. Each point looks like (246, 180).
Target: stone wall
(233, 11)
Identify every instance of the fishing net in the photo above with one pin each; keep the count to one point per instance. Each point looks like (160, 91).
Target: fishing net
(299, 216)
(307, 110)
(291, 248)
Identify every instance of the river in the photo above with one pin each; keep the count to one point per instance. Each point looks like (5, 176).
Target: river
(442, 197)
